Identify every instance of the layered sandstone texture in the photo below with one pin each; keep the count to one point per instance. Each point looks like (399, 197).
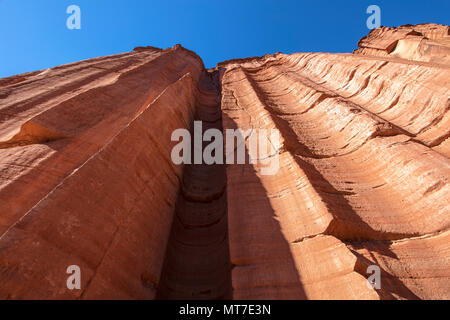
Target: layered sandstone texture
(87, 179)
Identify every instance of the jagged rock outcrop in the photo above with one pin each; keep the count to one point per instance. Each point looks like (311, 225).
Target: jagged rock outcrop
(422, 42)
(87, 177)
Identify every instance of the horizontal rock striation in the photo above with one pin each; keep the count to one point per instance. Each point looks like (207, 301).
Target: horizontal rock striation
(86, 176)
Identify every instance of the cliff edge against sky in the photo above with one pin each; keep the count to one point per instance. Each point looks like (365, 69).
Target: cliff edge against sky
(86, 176)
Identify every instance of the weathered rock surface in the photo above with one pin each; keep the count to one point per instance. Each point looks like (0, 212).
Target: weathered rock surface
(422, 42)
(86, 176)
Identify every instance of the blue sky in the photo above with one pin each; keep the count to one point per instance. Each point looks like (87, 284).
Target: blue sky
(34, 34)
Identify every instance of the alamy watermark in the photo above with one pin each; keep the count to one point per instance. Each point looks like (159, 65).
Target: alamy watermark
(374, 20)
(74, 20)
(263, 147)
(74, 280)
(374, 281)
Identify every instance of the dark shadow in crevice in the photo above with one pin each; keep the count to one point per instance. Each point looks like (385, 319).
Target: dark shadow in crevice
(197, 263)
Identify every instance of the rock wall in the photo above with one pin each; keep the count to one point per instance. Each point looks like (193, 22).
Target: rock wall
(86, 176)
(363, 165)
(101, 194)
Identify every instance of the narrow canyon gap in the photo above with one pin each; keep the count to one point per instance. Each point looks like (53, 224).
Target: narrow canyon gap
(197, 261)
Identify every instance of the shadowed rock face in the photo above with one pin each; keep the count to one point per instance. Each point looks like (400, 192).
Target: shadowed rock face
(86, 176)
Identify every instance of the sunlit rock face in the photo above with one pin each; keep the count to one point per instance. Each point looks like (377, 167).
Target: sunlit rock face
(422, 42)
(87, 179)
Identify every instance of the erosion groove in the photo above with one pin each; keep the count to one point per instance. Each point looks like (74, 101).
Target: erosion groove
(87, 177)
(197, 263)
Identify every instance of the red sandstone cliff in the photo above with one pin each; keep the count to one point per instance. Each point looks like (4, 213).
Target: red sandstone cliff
(87, 179)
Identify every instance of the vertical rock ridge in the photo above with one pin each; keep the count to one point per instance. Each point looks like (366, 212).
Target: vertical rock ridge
(118, 178)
